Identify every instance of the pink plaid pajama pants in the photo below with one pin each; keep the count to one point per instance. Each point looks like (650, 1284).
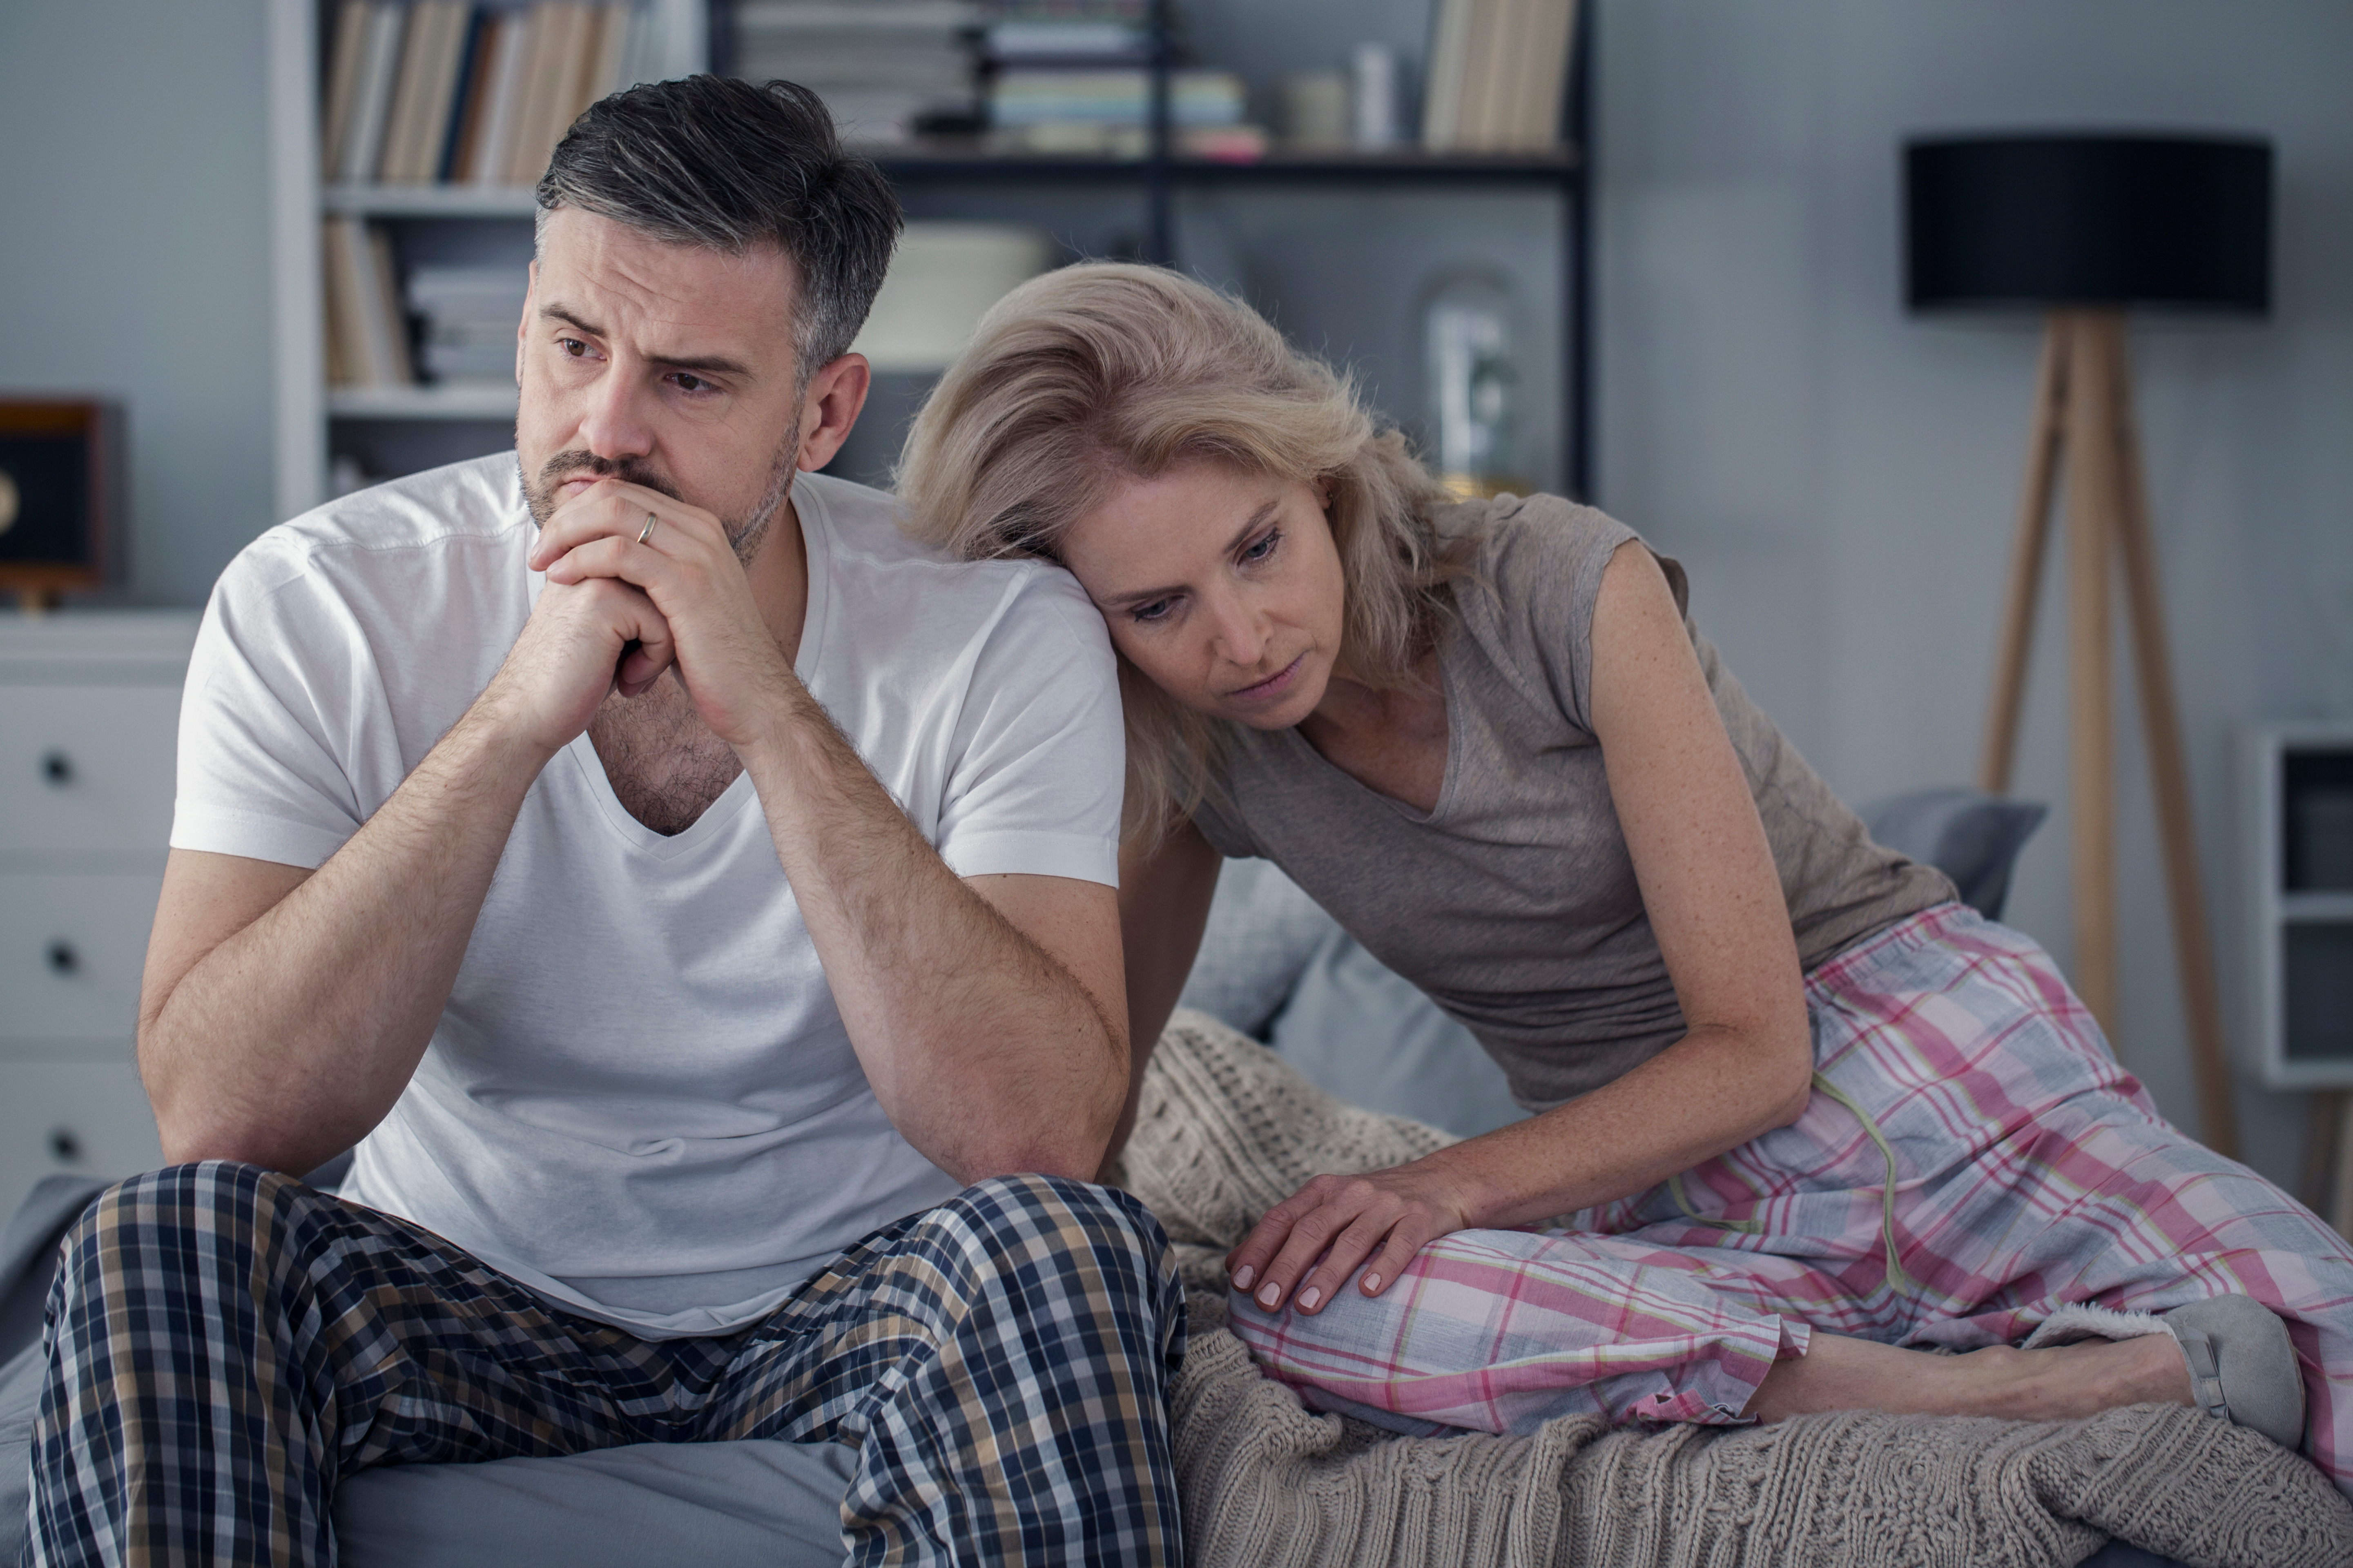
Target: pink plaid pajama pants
(1973, 1158)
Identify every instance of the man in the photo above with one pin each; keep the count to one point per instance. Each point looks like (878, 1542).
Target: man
(694, 900)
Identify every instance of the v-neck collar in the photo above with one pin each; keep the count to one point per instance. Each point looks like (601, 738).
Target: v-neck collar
(816, 547)
(1446, 785)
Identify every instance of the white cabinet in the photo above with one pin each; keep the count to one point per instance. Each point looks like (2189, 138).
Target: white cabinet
(88, 1116)
(89, 707)
(71, 944)
(86, 767)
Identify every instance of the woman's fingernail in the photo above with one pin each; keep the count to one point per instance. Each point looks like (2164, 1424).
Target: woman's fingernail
(1308, 1298)
(1372, 1283)
(1270, 1296)
(1243, 1276)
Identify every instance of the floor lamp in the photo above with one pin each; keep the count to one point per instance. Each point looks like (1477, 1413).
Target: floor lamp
(2083, 227)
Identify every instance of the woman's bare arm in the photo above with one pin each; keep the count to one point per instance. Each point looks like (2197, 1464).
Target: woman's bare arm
(1164, 888)
(1714, 901)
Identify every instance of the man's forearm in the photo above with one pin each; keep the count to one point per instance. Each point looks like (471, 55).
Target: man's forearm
(988, 1055)
(290, 1039)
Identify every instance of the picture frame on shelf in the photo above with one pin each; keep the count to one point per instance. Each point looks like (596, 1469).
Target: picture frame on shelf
(60, 494)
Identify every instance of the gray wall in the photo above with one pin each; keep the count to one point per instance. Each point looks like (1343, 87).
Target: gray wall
(1840, 479)
(134, 257)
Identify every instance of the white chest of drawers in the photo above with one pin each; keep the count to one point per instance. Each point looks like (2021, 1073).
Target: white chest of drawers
(89, 709)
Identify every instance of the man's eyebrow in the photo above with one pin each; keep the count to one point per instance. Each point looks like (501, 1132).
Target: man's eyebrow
(1256, 521)
(707, 365)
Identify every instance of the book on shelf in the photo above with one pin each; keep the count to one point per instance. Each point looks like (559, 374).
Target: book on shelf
(443, 92)
(367, 336)
(1498, 73)
(1121, 96)
(1084, 40)
(1071, 76)
(1099, 112)
(466, 116)
(357, 135)
(349, 43)
(420, 104)
(496, 86)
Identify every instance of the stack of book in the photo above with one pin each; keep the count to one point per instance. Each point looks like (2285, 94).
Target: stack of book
(467, 317)
(1072, 76)
(1497, 72)
(1082, 37)
(1108, 111)
(438, 92)
(889, 70)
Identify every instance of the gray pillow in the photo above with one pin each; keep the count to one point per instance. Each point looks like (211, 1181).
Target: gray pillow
(1263, 930)
(1363, 1032)
(1970, 836)
(1275, 966)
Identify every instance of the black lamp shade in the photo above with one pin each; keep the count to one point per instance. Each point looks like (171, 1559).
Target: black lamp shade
(2182, 221)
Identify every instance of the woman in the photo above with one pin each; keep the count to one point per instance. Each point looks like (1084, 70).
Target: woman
(1807, 1115)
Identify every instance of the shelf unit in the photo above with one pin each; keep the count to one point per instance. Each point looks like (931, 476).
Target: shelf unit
(1161, 174)
(2300, 902)
(311, 419)
(1561, 176)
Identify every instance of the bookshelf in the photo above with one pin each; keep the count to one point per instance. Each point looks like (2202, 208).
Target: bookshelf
(398, 427)
(1167, 191)
(1158, 184)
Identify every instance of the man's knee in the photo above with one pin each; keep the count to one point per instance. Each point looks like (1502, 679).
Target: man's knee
(182, 1226)
(1019, 1215)
(1080, 1242)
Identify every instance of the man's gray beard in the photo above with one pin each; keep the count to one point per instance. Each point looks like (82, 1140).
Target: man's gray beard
(744, 535)
(747, 539)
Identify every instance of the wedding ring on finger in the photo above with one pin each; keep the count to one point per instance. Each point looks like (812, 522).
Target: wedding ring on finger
(651, 517)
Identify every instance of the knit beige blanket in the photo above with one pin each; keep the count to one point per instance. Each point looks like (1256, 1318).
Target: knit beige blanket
(1227, 1129)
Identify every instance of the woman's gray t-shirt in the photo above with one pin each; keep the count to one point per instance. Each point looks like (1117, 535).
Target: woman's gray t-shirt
(1513, 903)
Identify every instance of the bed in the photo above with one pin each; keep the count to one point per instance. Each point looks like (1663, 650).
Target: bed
(1297, 999)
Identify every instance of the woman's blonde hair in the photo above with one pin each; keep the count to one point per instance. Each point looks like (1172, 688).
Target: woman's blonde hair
(1097, 374)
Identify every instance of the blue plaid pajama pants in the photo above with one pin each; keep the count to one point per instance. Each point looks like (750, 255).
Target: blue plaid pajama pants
(226, 1343)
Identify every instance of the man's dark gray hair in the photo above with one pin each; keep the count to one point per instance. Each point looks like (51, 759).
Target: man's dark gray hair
(727, 165)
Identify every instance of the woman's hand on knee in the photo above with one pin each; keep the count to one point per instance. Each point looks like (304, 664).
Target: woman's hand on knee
(1309, 1244)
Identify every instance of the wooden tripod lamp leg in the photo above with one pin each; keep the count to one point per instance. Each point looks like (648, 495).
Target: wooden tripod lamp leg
(2044, 436)
(2092, 501)
(2325, 1115)
(2168, 770)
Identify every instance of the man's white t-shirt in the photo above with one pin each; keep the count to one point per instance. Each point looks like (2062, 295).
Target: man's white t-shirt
(641, 1100)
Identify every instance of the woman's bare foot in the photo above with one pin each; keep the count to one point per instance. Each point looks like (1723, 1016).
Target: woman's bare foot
(2056, 1384)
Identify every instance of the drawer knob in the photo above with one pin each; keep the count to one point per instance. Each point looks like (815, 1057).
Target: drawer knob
(63, 959)
(57, 769)
(65, 1145)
